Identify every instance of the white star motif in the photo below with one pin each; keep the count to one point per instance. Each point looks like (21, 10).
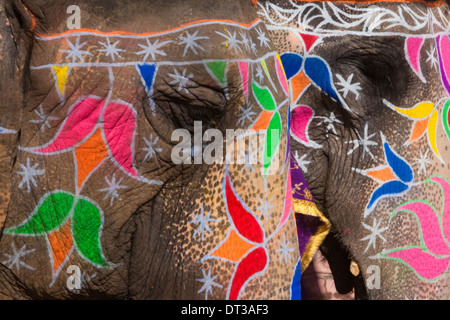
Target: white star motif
(265, 207)
(232, 42)
(6, 131)
(363, 142)
(245, 40)
(203, 222)
(110, 49)
(431, 57)
(375, 232)
(181, 79)
(14, 259)
(245, 115)
(43, 120)
(423, 161)
(259, 74)
(348, 86)
(28, 174)
(329, 121)
(285, 249)
(208, 283)
(302, 163)
(263, 40)
(190, 42)
(150, 148)
(75, 51)
(152, 49)
(253, 46)
(112, 189)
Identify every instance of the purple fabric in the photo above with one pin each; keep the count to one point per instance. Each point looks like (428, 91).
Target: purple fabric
(306, 228)
(307, 225)
(298, 181)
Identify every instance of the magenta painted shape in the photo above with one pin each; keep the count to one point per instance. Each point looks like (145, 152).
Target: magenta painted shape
(287, 201)
(281, 75)
(429, 224)
(425, 264)
(413, 46)
(445, 205)
(243, 69)
(300, 118)
(80, 122)
(119, 124)
(443, 43)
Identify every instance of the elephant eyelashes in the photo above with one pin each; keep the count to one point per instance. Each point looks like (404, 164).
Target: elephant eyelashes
(381, 64)
(201, 113)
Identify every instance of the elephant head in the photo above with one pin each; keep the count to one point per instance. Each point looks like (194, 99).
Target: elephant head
(369, 85)
(115, 118)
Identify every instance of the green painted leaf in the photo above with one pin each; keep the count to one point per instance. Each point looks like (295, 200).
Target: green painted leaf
(86, 229)
(273, 138)
(264, 97)
(446, 118)
(50, 214)
(218, 70)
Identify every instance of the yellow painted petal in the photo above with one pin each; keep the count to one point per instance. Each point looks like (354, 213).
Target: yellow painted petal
(419, 111)
(61, 74)
(432, 129)
(263, 63)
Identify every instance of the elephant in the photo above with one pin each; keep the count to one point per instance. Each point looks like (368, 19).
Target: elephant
(113, 186)
(370, 96)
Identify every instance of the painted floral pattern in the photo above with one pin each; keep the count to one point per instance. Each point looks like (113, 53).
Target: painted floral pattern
(430, 258)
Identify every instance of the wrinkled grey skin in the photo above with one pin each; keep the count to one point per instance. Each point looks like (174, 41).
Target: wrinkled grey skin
(371, 55)
(153, 243)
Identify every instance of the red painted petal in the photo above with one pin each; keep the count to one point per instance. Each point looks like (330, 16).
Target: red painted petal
(119, 124)
(424, 264)
(81, 120)
(245, 222)
(253, 263)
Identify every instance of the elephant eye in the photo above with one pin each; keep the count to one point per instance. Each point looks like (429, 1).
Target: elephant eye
(381, 64)
(197, 101)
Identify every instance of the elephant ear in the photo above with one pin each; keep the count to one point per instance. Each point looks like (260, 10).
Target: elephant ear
(87, 225)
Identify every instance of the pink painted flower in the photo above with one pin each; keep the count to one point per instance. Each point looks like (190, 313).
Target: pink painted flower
(116, 120)
(431, 258)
